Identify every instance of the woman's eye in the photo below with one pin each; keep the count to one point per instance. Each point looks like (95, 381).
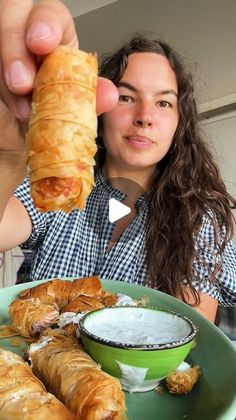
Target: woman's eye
(125, 98)
(164, 104)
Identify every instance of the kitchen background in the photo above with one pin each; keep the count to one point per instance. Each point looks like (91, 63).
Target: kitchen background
(204, 32)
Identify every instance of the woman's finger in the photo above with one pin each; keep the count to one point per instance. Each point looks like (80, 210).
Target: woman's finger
(107, 95)
(28, 30)
(19, 105)
(49, 25)
(18, 66)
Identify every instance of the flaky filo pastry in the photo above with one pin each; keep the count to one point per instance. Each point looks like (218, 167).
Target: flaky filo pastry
(70, 374)
(62, 130)
(39, 307)
(29, 318)
(182, 382)
(23, 396)
(60, 292)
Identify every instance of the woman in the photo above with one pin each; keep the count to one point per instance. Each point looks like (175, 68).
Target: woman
(177, 238)
(189, 221)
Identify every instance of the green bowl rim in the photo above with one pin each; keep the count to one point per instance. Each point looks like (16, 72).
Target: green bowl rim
(147, 347)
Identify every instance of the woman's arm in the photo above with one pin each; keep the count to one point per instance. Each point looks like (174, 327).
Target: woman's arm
(24, 36)
(28, 30)
(214, 274)
(207, 306)
(16, 225)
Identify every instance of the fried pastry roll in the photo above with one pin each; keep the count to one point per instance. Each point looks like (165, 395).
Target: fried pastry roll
(60, 292)
(23, 396)
(182, 382)
(6, 331)
(83, 303)
(71, 329)
(38, 307)
(62, 130)
(108, 299)
(90, 286)
(70, 374)
(29, 318)
(53, 292)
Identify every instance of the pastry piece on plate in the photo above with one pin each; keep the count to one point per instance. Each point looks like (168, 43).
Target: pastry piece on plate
(90, 286)
(53, 292)
(6, 331)
(62, 130)
(70, 374)
(30, 318)
(108, 299)
(60, 292)
(83, 303)
(23, 396)
(182, 381)
(69, 318)
(38, 307)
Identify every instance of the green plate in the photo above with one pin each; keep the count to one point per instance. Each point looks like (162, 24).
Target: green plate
(212, 398)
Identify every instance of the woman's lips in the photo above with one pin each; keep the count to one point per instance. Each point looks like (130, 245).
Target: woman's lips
(139, 141)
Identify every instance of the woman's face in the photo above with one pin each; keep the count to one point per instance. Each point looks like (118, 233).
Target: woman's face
(139, 131)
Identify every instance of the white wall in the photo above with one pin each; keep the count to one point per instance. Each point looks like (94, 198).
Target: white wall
(221, 133)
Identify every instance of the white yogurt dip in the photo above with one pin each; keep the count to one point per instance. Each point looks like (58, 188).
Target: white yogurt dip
(137, 326)
(124, 300)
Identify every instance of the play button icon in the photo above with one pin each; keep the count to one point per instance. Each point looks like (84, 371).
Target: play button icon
(117, 210)
(119, 207)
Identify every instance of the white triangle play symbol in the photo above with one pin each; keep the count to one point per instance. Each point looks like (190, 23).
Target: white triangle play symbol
(117, 210)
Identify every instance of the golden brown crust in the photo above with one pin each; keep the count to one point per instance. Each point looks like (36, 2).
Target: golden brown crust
(6, 331)
(23, 396)
(83, 303)
(60, 292)
(182, 382)
(108, 299)
(29, 318)
(39, 306)
(71, 329)
(71, 375)
(62, 130)
(90, 286)
(53, 292)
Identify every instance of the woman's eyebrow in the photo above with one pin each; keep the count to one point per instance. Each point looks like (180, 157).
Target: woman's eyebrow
(168, 92)
(128, 86)
(134, 89)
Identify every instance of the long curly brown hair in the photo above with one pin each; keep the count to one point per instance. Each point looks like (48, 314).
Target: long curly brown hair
(186, 184)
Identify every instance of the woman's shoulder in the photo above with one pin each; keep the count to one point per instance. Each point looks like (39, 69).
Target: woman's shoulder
(211, 229)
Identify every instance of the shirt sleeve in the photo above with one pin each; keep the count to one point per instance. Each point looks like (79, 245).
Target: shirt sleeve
(39, 220)
(223, 287)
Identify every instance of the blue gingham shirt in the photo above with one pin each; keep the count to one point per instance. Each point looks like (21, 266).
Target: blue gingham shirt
(76, 245)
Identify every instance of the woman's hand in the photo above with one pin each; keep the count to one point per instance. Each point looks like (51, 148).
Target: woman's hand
(28, 31)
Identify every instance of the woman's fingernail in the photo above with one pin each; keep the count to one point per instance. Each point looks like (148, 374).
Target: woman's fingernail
(23, 108)
(19, 75)
(38, 32)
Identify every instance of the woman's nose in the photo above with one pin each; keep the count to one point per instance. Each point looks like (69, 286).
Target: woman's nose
(143, 117)
(143, 122)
